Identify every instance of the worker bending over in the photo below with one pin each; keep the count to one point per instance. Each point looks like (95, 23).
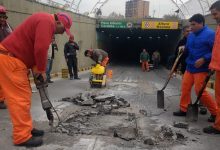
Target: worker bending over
(98, 55)
(33, 38)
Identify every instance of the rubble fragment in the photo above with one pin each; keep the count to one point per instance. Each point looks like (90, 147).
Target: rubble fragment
(194, 131)
(126, 133)
(103, 98)
(149, 141)
(182, 125)
(143, 112)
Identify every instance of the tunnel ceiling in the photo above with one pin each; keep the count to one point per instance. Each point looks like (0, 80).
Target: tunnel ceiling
(139, 34)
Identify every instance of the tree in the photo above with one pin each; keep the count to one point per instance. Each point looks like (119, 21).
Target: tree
(115, 15)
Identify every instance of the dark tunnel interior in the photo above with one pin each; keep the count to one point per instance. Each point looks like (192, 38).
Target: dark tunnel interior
(125, 45)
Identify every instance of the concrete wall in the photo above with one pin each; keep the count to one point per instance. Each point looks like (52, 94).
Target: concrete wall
(83, 28)
(210, 22)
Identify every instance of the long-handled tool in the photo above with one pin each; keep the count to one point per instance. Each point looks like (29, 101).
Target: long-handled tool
(192, 110)
(160, 93)
(46, 104)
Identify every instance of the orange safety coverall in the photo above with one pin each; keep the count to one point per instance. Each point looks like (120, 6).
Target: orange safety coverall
(105, 61)
(145, 65)
(215, 65)
(1, 95)
(16, 89)
(197, 79)
(29, 48)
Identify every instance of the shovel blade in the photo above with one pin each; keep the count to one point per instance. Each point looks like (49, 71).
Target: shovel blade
(192, 113)
(160, 99)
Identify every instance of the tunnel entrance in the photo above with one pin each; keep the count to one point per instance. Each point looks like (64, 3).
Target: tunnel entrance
(125, 45)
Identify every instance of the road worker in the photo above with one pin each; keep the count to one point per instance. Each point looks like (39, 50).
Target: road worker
(98, 55)
(28, 52)
(144, 60)
(5, 30)
(215, 65)
(199, 49)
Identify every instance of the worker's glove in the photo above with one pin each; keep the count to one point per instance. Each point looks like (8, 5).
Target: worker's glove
(140, 61)
(39, 78)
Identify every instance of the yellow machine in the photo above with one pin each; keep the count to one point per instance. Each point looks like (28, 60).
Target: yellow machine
(98, 76)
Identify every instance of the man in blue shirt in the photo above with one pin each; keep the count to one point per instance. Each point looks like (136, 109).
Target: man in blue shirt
(199, 50)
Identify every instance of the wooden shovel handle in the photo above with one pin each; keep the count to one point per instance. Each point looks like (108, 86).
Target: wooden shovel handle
(173, 69)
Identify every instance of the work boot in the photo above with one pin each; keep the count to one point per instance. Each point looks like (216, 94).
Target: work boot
(76, 78)
(49, 81)
(179, 113)
(71, 78)
(211, 130)
(2, 105)
(32, 142)
(36, 132)
(211, 118)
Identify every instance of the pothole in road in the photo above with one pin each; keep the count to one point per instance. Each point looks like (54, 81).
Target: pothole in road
(99, 114)
(108, 115)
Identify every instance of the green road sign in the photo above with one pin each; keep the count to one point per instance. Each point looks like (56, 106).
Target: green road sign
(113, 24)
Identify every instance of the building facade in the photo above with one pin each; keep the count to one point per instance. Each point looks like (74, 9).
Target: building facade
(137, 9)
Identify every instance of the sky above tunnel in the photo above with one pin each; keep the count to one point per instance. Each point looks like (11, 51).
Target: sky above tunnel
(158, 8)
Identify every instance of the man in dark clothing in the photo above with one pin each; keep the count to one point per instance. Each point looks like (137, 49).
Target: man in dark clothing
(5, 30)
(70, 56)
(51, 55)
(156, 59)
(182, 42)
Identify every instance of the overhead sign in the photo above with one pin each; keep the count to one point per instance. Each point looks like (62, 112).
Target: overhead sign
(129, 25)
(115, 24)
(159, 25)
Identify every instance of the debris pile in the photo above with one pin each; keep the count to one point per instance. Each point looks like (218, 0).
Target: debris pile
(165, 134)
(104, 103)
(168, 133)
(186, 126)
(98, 117)
(78, 123)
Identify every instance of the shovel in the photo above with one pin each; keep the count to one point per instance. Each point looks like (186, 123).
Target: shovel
(192, 110)
(160, 93)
